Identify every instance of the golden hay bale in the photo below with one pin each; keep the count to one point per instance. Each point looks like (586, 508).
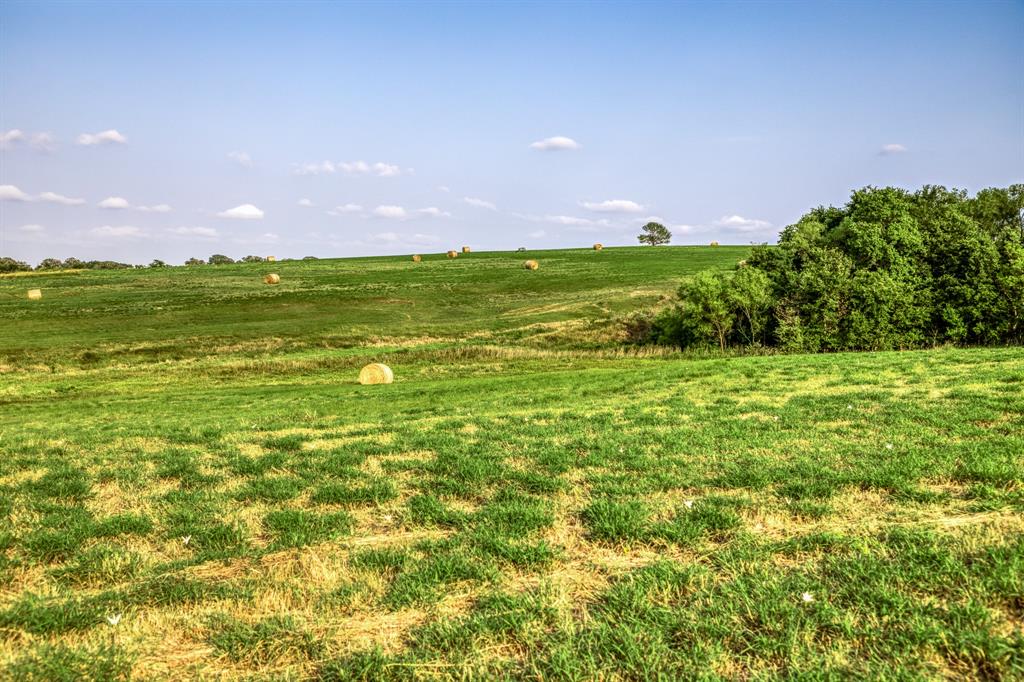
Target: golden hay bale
(453, 254)
(35, 294)
(714, 243)
(531, 265)
(272, 278)
(376, 373)
(271, 259)
(465, 249)
(598, 247)
(417, 258)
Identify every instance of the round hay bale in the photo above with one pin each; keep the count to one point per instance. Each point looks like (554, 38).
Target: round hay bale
(272, 278)
(271, 259)
(465, 249)
(453, 254)
(376, 373)
(417, 258)
(714, 243)
(531, 265)
(598, 247)
(35, 294)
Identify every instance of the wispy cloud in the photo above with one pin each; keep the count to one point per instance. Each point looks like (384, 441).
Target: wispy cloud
(105, 137)
(117, 203)
(12, 193)
(888, 149)
(612, 206)
(557, 143)
(200, 232)
(379, 169)
(241, 158)
(741, 224)
(434, 212)
(537, 234)
(392, 212)
(32, 229)
(243, 212)
(119, 232)
(10, 138)
(54, 198)
(305, 202)
(480, 203)
(345, 209)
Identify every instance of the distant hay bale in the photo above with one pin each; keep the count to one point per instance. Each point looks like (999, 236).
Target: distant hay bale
(714, 243)
(417, 258)
(531, 265)
(465, 249)
(35, 294)
(453, 254)
(272, 278)
(598, 247)
(376, 373)
(271, 259)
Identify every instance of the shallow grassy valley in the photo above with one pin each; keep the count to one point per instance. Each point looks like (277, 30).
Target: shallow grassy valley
(192, 483)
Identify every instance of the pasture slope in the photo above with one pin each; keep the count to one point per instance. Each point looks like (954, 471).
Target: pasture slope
(192, 485)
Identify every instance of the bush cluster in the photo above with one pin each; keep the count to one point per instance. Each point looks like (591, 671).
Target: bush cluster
(889, 270)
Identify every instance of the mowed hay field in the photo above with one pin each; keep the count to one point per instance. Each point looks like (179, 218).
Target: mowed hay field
(194, 485)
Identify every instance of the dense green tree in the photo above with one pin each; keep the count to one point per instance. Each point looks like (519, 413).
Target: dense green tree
(220, 259)
(50, 264)
(891, 269)
(11, 265)
(654, 234)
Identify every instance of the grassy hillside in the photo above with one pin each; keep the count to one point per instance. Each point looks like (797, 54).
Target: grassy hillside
(186, 453)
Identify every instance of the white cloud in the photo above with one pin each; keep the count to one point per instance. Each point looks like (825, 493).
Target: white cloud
(741, 224)
(32, 228)
(346, 208)
(888, 149)
(114, 203)
(159, 208)
(385, 237)
(380, 169)
(570, 220)
(555, 144)
(537, 234)
(612, 206)
(443, 188)
(9, 138)
(243, 212)
(105, 137)
(43, 142)
(12, 193)
(305, 202)
(480, 203)
(393, 212)
(128, 231)
(434, 212)
(241, 158)
(54, 198)
(204, 232)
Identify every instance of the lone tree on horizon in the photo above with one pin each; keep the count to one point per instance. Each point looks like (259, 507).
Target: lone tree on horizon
(654, 234)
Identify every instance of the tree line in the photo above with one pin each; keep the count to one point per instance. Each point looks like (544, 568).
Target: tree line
(11, 265)
(891, 269)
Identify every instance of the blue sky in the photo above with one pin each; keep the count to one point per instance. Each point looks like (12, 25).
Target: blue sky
(369, 128)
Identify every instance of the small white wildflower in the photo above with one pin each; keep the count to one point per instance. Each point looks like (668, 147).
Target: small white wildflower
(807, 597)
(688, 504)
(114, 620)
(776, 418)
(888, 446)
(187, 539)
(849, 407)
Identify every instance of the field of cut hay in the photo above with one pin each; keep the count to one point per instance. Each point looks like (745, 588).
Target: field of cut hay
(193, 483)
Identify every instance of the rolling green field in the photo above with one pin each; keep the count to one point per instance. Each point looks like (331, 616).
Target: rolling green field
(193, 485)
